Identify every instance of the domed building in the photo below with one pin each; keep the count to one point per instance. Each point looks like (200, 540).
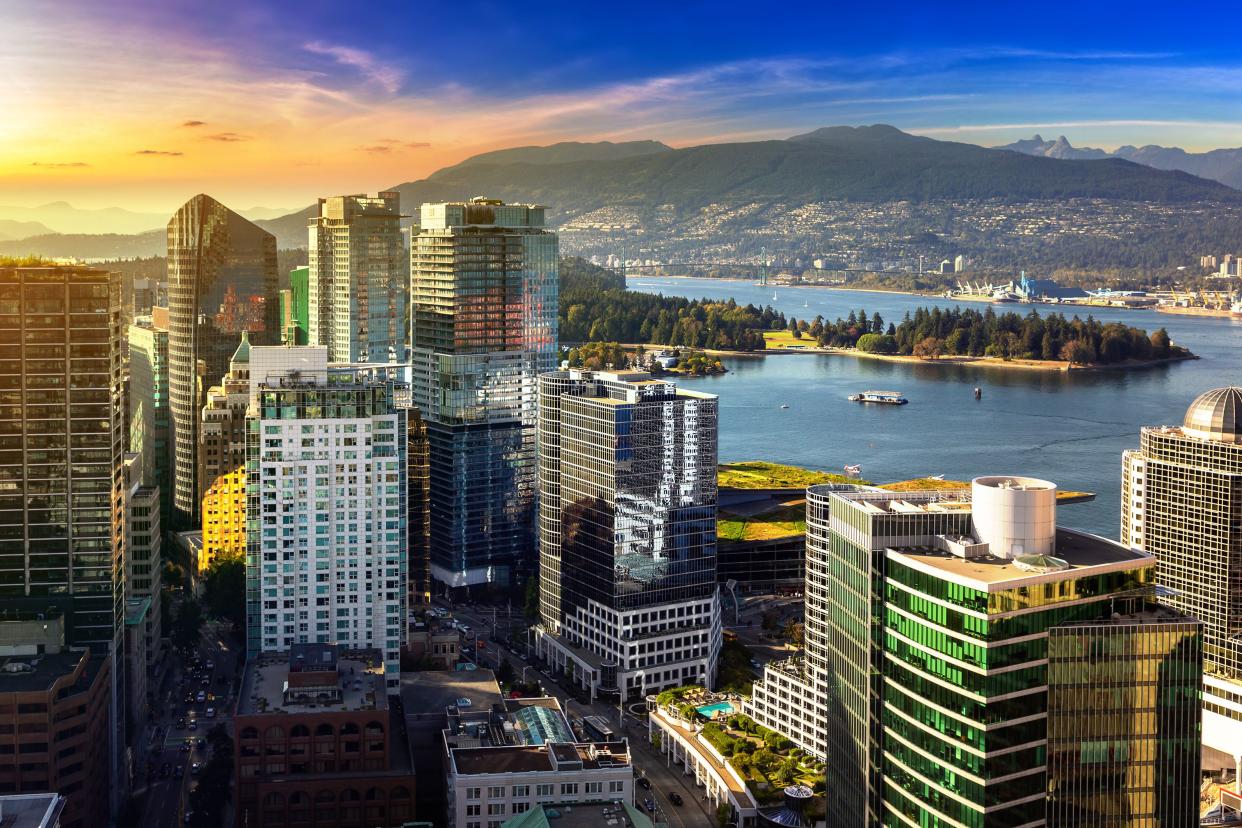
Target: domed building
(1182, 502)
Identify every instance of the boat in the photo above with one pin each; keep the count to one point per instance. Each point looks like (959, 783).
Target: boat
(852, 469)
(978, 393)
(883, 397)
(784, 405)
(804, 304)
(773, 296)
(936, 477)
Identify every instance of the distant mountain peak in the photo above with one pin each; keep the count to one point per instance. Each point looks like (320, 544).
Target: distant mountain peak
(853, 133)
(1060, 148)
(566, 152)
(1223, 165)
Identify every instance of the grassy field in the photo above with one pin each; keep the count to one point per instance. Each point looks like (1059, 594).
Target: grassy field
(777, 340)
(759, 474)
(924, 483)
(778, 523)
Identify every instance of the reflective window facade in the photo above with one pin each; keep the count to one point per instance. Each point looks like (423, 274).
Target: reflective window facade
(483, 309)
(627, 476)
(150, 424)
(358, 289)
(61, 448)
(1124, 722)
(221, 280)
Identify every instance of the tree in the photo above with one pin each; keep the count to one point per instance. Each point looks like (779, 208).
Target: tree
(504, 673)
(874, 343)
(928, 348)
(1161, 345)
(187, 625)
(1077, 352)
(531, 604)
(225, 589)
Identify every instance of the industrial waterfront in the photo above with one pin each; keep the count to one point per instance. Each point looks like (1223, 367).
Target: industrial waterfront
(1067, 427)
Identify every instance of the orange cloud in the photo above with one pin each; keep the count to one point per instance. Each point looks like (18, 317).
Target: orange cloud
(228, 137)
(193, 123)
(59, 164)
(169, 153)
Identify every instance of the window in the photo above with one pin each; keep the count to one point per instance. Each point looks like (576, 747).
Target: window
(594, 787)
(473, 810)
(543, 790)
(569, 789)
(521, 791)
(472, 793)
(496, 809)
(616, 787)
(496, 792)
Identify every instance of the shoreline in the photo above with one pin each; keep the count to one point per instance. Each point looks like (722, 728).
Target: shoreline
(1048, 366)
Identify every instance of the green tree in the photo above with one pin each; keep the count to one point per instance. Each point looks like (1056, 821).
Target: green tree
(189, 621)
(505, 673)
(1161, 345)
(224, 589)
(531, 604)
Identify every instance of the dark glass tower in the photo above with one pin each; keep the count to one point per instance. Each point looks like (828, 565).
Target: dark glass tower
(61, 449)
(627, 525)
(483, 309)
(221, 281)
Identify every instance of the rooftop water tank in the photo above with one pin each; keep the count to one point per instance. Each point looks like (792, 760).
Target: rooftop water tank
(1015, 515)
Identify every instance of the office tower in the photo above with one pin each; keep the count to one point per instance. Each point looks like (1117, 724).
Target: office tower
(295, 308)
(222, 461)
(627, 532)
(221, 281)
(1124, 720)
(326, 507)
(483, 311)
(1181, 494)
(150, 429)
(54, 715)
(143, 539)
(928, 622)
(418, 510)
(358, 279)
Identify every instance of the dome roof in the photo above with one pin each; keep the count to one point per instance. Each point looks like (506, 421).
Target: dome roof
(1216, 415)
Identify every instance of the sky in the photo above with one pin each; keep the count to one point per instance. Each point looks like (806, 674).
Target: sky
(141, 104)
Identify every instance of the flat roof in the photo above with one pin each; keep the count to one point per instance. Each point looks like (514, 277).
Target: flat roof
(40, 810)
(360, 678)
(34, 673)
(1085, 554)
(470, 761)
(431, 692)
(612, 815)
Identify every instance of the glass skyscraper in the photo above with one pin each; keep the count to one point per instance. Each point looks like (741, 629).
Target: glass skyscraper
(358, 290)
(221, 281)
(150, 429)
(1182, 501)
(928, 627)
(627, 526)
(483, 309)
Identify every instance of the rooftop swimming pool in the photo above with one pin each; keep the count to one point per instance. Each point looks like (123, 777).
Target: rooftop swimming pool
(710, 710)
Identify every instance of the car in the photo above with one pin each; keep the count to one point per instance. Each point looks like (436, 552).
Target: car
(195, 767)
(211, 712)
(179, 771)
(188, 818)
(211, 665)
(201, 743)
(201, 696)
(644, 783)
(649, 804)
(192, 725)
(187, 745)
(675, 798)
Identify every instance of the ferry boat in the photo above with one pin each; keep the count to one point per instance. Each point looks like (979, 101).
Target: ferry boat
(884, 397)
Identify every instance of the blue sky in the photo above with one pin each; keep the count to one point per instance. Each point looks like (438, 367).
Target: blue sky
(381, 92)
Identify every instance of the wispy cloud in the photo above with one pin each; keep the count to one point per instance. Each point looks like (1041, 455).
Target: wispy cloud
(60, 165)
(388, 77)
(228, 137)
(169, 153)
(376, 149)
(193, 123)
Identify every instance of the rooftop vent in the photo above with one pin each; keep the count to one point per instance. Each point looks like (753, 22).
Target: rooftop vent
(1040, 563)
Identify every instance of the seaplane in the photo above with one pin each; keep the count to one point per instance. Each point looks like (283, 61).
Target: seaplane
(854, 468)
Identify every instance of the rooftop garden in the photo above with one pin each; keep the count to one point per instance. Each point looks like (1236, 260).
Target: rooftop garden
(760, 474)
(765, 759)
(920, 484)
(783, 521)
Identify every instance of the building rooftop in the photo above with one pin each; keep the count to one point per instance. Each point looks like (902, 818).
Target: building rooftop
(612, 815)
(40, 810)
(38, 673)
(1216, 415)
(533, 759)
(359, 685)
(136, 610)
(1084, 554)
(432, 692)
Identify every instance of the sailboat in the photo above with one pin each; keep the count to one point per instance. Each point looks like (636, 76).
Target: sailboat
(773, 296)
(804, 304)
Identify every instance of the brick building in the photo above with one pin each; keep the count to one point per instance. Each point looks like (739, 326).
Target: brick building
(317, 744)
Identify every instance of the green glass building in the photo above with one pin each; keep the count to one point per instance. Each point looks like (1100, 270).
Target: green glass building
(295, 308)
(939, 611)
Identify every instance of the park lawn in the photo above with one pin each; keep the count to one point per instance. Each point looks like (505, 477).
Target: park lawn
(779, 523)
(776, 340)
(920, 484)
(760, 474)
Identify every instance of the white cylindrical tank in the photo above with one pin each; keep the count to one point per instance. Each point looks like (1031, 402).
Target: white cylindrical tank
(1015, 515)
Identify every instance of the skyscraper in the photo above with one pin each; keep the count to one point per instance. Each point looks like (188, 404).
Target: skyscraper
(359, 279)
(295, 308)
(222, 461)
(1181, 499)
(326, 530)
(483, 309)
(627, 527)
(221, 281)
(928, 623)
(150, 430)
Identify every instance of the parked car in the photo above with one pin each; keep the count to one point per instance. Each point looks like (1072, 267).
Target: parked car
(193, 724)
(649, 804)
(196, 767)
(181, 721)
(201, 696)
(211, 712)
(675, 798)
(644, 783)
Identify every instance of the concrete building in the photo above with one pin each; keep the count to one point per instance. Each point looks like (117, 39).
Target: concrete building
(507, 760)
(681, 742)
(581, 816)
(143, 562)
(138, 700)
(433, 642)
(31, 810)
(483, 310)
(358, 280)
(317, 744)
(627, 529)
(54, 719)
(150, 430)
(221, 281)
(1181, 492)
(326, 533)
(222, 461)
(928, 626)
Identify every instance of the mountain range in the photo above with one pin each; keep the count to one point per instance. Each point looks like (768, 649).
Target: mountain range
(1223, 165)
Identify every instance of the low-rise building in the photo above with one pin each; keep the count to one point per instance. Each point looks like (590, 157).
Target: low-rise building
(521, 753)
(613, 814)
(317, 743)
(433, 643)
(31, 810)
(682, 742)
(54, 718)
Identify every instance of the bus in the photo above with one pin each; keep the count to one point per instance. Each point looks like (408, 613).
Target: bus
(597, 728)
